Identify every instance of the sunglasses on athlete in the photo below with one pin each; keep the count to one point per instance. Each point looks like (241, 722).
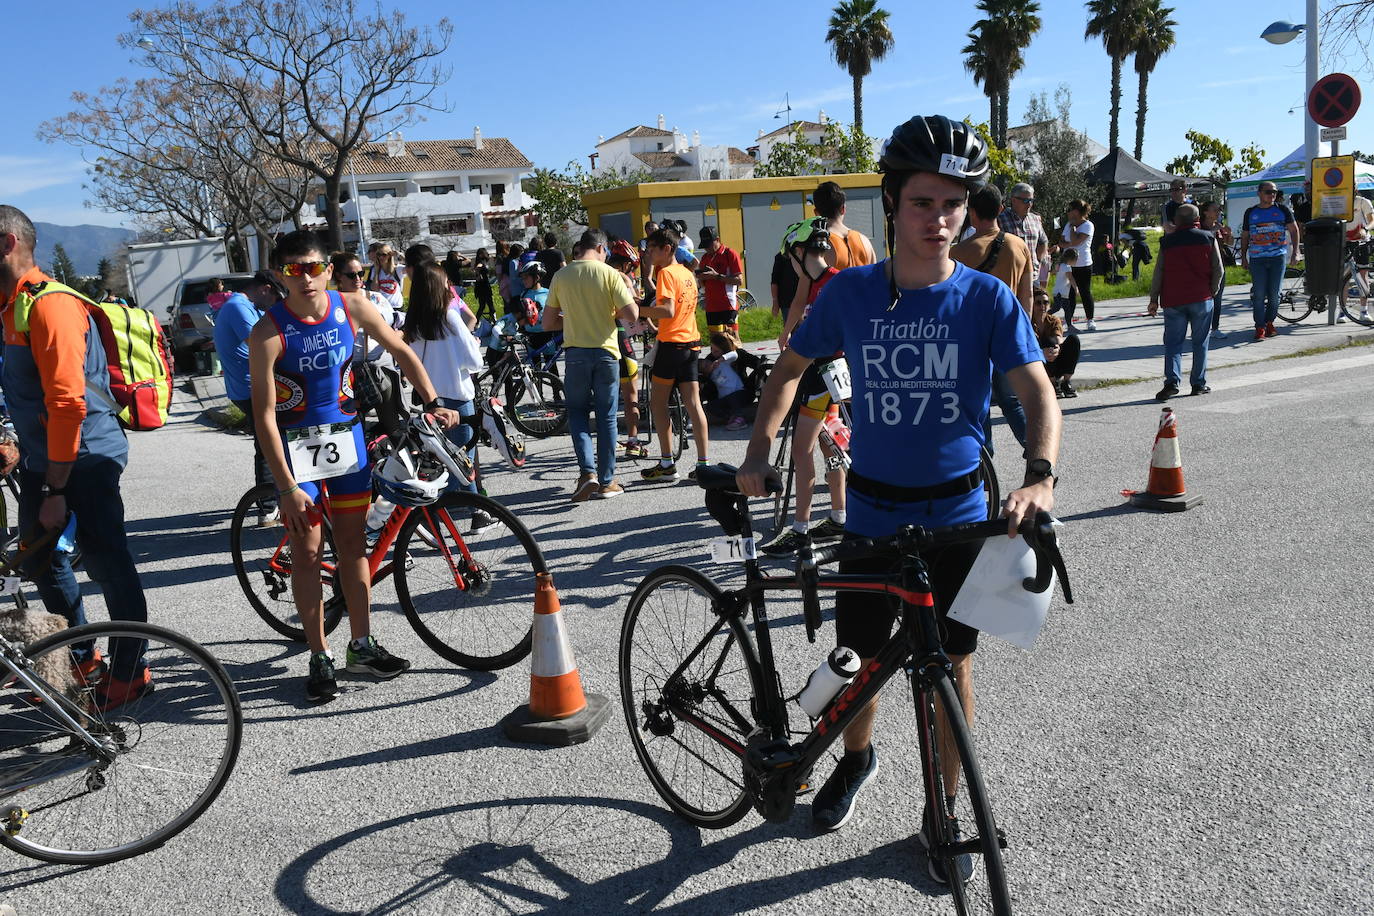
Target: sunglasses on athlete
(304, 268)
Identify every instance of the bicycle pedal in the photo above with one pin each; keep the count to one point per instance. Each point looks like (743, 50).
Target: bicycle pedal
(14, 819)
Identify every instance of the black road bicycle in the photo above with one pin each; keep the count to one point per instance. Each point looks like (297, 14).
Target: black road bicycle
(708, 717)
(534, 397)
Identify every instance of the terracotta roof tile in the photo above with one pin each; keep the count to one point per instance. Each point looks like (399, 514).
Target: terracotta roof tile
(434, 156)
(639, 131)
(788, 128)
(665, 159)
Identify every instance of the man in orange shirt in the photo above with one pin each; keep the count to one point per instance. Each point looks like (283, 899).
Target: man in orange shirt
(679, 345)
(72, 452)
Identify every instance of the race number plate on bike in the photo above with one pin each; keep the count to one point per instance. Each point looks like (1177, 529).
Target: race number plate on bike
(9, 585)
(836, 375)
(321, 452)
(732, 549)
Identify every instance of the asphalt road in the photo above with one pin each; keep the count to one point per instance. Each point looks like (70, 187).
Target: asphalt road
(1192, 736)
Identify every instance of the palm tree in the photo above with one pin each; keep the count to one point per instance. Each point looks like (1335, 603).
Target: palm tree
(994, 54)
(1154, 40)
(1019, 21)
(1116, 22)
(985, 64)
(858, 36)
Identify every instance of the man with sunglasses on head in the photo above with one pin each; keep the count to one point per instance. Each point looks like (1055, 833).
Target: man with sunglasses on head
(233, 325)
(300, 357)
(1018, 219)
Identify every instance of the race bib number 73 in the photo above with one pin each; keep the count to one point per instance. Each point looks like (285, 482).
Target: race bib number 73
(321, 452)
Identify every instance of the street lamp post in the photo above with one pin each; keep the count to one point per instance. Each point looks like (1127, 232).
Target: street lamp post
(1281, 33)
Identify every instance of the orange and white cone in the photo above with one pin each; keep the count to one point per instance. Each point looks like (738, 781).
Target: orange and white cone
(559, 711)
(1165, 489)
(555, 685)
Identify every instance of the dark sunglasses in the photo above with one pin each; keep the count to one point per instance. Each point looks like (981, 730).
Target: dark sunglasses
(304, 268)
(1028, 201)
(356, 276)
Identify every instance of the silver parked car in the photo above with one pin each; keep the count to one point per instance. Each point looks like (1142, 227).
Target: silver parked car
(193, 320)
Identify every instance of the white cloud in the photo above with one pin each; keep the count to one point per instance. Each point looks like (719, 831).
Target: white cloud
(21, 175)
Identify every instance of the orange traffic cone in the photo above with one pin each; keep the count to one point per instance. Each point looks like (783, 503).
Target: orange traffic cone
(1165, 491)
(559, 712)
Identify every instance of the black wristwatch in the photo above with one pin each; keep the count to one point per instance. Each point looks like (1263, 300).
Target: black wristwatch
(50, 490)
(432, 406)
(1039, 467)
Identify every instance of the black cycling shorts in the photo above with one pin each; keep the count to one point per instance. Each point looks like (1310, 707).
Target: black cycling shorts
(676, 363)
(863, 622)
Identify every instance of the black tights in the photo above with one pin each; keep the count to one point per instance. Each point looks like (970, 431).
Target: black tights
(1083, 279)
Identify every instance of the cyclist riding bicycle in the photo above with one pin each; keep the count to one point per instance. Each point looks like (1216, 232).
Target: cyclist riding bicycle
(807, 246)
(923, 334)
(300, 359)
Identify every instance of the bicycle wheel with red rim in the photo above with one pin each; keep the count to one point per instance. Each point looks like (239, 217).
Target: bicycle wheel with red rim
(465, 577)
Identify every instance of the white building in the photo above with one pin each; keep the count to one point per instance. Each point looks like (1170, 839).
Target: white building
(669, 156)
(1019, 142)
(451, 194)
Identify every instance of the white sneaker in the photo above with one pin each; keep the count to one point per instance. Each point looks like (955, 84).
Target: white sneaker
(270, 519)
(1092, 325)
(1340, 318)
(1364, 316)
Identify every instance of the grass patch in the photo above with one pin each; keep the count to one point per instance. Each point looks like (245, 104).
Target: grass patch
(1349, 344)
(1108, 383)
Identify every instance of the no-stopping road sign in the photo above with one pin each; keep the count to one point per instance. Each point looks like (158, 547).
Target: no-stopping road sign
(1334, 99)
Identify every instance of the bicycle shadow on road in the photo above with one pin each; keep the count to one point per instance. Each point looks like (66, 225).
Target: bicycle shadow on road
(563, 854)
(194, 536)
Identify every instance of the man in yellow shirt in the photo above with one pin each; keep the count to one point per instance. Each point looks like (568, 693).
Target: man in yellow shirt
(679, 345)
(584, 300)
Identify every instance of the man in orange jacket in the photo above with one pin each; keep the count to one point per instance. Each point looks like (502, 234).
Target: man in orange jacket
(72, 452)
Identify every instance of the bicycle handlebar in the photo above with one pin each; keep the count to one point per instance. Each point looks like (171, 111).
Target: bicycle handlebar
(1038, 532)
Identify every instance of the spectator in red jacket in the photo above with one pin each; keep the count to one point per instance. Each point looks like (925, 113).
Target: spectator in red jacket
(1188, 275)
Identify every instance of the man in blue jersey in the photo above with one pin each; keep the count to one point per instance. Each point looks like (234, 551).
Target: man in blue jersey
(922, 334)
(300, 358)
(235, 321)
(1268, 242)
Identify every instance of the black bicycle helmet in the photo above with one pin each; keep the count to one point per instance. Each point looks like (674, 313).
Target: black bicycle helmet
(936, 144)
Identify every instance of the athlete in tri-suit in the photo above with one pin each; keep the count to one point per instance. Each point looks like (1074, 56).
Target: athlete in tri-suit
(300, 356)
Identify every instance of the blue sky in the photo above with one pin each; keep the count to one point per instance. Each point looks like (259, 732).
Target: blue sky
(551, 76)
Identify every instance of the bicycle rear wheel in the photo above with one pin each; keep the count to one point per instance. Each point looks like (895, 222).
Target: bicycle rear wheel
(468, 594)
(744, 299)
(985, 891)
(1294, 303)
(174, 748)
(262, 562)
(686, 689)
(538, 409)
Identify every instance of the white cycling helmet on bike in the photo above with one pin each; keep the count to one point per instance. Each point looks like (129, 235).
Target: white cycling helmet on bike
(409, 480)
(426, 433)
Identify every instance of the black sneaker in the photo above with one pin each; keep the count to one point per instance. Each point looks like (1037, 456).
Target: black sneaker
(372, 659)
(963, 862)
(1067, 390)
(321, 686)
(828, 530)
(1168, 391)
(1201, 389)
(834, 803)
(481, 518)
(785, 544)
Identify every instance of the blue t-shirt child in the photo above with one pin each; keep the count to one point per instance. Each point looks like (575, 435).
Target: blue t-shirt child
(921, 380)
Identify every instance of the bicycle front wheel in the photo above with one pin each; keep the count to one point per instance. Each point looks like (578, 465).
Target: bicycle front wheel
(262, 562)
(537, 406)
(984, 891)
(686, 688)
(465, 576)
(744, 299)
(1353, 283)
(991, 487)
(173, 748)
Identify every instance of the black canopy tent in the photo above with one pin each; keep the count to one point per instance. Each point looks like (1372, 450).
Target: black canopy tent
(1124, 177)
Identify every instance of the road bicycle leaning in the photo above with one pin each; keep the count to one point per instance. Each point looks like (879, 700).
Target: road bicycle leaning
(708, 717)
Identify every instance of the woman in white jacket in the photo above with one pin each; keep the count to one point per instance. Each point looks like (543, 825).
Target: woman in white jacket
(436, 331)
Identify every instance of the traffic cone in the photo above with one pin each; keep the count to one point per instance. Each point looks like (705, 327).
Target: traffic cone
(1165, 491)
(559, 711)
